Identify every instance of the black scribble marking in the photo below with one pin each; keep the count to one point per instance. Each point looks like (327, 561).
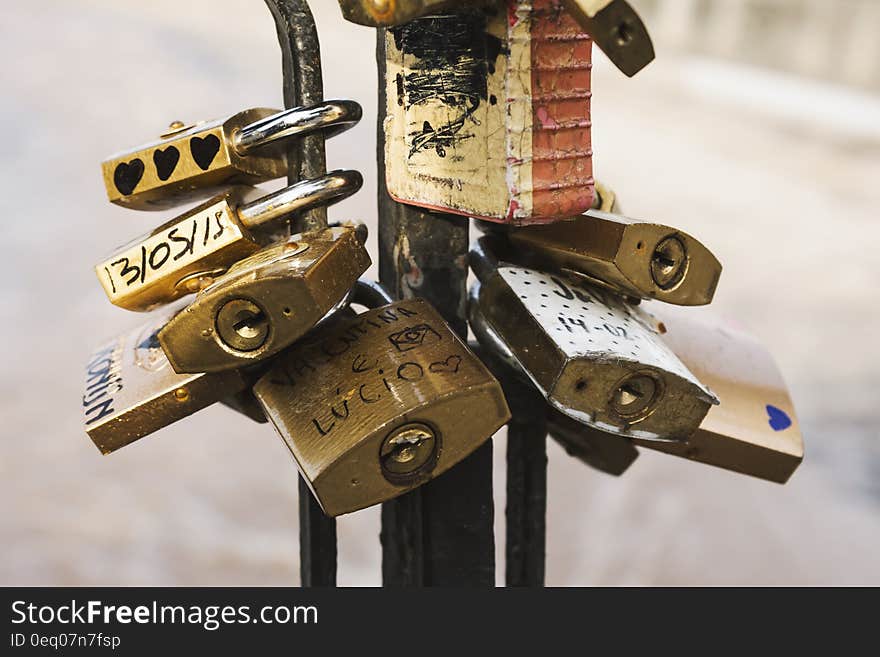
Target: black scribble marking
(454, 56)
(110, 277)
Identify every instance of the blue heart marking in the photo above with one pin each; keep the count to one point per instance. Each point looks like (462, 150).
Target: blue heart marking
(779, 420)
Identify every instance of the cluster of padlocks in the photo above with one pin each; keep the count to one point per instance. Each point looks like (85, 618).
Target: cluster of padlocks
(488, 116)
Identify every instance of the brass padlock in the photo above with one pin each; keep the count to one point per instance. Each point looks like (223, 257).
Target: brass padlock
(132, 391)
(488, 114)
(606, 452)
(754, 429)
(594, 357)
(379, 404)
(185, 254)
(618, 31)
(193, 162)
(614, 24)
(637, 259)
(266, 301)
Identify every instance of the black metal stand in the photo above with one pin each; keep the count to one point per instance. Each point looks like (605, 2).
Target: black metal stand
(526, 485)
(303, 85)
(442, 533)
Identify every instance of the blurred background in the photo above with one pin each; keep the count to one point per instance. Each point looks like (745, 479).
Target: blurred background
(757, 130)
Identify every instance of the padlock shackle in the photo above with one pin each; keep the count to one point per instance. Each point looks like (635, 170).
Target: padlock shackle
(304, 195)
(371, 294)
(331, 117)
(488, 337)
(482, 260)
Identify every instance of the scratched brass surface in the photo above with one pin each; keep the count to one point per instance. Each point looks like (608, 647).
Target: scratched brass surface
(131, 390)
(754, 430)
(290, 286)
(336, 399)
(586, 350)
(189, 164)
(180, 257)
(622, 253)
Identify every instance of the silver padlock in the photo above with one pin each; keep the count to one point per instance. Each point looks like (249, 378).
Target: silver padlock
(595, 357)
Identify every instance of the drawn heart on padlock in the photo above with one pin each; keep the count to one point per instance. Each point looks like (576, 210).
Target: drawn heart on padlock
(450, 365)
(778, 419)
(204, 149)
(166, 161)
(127, 175)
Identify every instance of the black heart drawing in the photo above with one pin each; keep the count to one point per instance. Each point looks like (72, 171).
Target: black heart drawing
(127, 176)
(450, 365)
(204, 149)
(165, 161)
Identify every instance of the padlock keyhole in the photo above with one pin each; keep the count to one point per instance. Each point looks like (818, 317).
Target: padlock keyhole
(242, 325)
(408, 452)
(250, 325)
(636, 397)
(624, 33)
(669, 263)
(629, 395)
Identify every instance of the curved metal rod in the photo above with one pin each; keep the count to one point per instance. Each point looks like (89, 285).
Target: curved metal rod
(303, 86)
(330, 117)
(488, 337)
(371, 294)
(301, 196)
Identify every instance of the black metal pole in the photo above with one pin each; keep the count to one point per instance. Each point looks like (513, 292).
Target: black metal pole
(303, 85)
(441, 534)
(526, 510)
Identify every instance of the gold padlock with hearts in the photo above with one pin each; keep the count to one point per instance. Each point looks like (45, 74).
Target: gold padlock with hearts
(193, 162)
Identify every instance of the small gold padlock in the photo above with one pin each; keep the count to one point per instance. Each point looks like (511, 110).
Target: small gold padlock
(132, 391)
(266, 301)
(594, 357)
(185, 254)
(754, 429)
(379, 404)
(193, 162)
(606, 452)
(636, 259)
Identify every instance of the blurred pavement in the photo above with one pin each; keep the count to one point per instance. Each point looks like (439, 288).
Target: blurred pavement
(779, 176)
